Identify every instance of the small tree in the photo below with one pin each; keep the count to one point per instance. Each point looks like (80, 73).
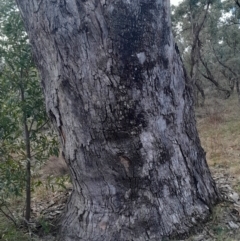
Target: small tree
(23, 115)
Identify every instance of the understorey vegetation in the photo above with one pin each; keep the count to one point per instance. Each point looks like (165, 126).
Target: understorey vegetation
(26, 138)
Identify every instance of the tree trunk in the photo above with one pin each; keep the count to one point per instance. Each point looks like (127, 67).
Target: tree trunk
(115, 89)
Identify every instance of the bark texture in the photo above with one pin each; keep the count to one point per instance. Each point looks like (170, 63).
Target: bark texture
(115, 89)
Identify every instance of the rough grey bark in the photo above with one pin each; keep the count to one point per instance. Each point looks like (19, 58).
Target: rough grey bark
(115, 89)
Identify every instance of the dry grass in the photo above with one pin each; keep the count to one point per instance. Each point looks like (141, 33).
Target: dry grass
(219, 129)
(55, 166)
(218, 124)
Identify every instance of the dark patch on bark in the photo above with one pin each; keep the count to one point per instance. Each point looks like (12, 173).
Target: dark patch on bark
(141, 120)
(115, 135)
(164, 155)
(130, 33)
(130, 118)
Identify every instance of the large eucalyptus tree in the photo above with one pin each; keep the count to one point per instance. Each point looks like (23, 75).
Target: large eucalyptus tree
(116, 90)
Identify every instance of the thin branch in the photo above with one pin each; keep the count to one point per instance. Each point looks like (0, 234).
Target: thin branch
(210, 77)
(40, 127)
(196, 43)
(10, 217)
(31, 124)
(221, 63)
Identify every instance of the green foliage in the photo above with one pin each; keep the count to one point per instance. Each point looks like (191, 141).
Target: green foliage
(23, 119)
(57, 182)
(46, 226)
(9, 233)
(216, 56)
(12, 178)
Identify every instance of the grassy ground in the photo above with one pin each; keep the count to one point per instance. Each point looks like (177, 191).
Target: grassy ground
(8, 229)
(47, 200)
(218, 124)
(219, 129)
